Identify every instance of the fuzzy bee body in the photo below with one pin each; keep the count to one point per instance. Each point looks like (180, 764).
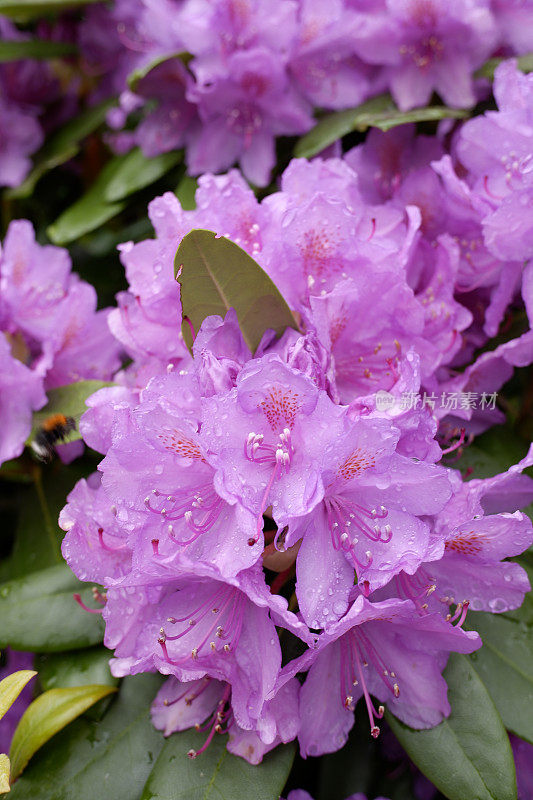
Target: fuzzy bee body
(54, 430)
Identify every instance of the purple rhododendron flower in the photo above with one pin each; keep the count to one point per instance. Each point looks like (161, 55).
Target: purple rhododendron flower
(263, 515)
(384, 649)
(496, 150)
(480, 531)
(428, 45)
(250, 74)
(179, 706)
(242, 110)
(50, 331)
(21, 393)
(522, 752)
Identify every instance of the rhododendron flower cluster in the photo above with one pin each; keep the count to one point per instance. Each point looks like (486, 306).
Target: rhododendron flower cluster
(389, 227)
(247, 501)
(252, 74)
(50, 331)
(281, 515)
(387, 548)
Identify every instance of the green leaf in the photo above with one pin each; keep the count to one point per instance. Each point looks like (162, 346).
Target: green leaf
(91, 210)
(63, 145)
(38, 536)
(11, 687)
(111, 758)
(39, 613)
(4, 773)
(138, 74)
(468, 755)
(217, 275)
(121, 176)
(137, 171)
(505, 665)
(34, 48)
(186, 192)
(68, 400)
(25, 10)
(75, 668)
(215, 774)
(380, 112)
(524, 63)
(47, 715)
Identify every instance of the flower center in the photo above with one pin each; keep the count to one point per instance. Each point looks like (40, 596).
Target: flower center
(200, 508)
(214, 627)
(348, 521)
(424, 52)
(377, 364)
(278, 456)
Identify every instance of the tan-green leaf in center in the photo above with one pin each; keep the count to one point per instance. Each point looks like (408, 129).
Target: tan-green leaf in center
(216, 275)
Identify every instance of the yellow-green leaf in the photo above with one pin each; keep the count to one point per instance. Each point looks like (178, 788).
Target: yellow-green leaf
(11, 687)
(47, 715)
(4, 773)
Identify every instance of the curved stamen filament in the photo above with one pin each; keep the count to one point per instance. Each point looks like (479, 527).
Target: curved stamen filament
(203, 501)
(219, 716)
(416, 588)
(460, 613)
(204, 683)
(231, 611)
(258, 452)
(105, 546)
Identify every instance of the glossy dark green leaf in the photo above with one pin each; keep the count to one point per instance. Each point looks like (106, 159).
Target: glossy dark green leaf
(68, 400)
(75, 668)
(25, 10)
(138, 171)
(38, 536)
(91, 210)
(11, 686)
(505, 664)
(34, 48)
(468, 755)
(216, 774)
(39, 613)
(111, 758)
(138, 74)
(380, 112)
(46, 716)
(216, 275)
(62, 145)
(525, 63)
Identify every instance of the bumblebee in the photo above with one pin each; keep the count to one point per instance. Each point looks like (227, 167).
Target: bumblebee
(54, 430)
